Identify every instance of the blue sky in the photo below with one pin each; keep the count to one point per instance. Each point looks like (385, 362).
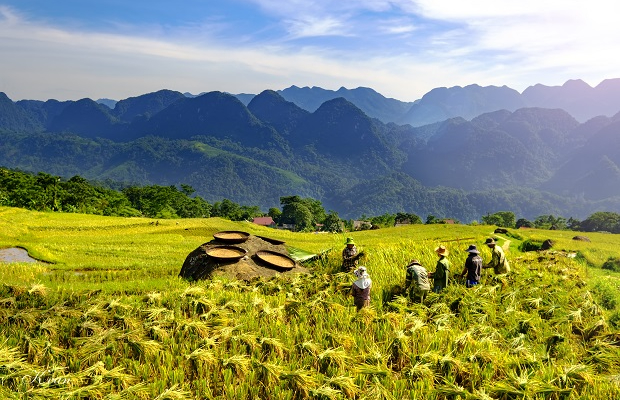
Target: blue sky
(71, 49)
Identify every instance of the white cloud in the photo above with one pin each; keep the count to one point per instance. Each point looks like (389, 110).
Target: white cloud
(528, 26)
(312, 27)
(403, 49)
(319, 7)
(396, 26)
(75, 64)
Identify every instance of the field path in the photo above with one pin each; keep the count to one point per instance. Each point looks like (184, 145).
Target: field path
(506, 245)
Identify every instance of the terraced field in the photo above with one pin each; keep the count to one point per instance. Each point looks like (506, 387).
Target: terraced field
(106, 317)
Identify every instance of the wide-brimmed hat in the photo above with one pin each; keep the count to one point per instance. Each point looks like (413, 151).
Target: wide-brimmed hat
(349, 241)
(414, 261)
(472, 249)
(360, 271)
(489, 241)
(441, 250)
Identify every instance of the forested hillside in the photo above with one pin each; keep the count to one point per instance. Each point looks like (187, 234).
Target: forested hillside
(533, 161)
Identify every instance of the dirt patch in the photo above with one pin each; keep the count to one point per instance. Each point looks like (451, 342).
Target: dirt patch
(198, 265)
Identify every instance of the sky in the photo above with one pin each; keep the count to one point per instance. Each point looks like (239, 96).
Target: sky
(73, 49)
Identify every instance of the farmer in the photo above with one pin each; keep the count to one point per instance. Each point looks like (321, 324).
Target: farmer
(349, 255)
(360, 289)
(416, 281)
(499, 263)
(442, 270)
(473, 266)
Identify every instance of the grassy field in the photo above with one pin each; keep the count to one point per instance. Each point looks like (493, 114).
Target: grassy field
(108, 318)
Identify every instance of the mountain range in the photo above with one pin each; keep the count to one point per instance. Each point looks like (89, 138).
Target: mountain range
(474, 150)
(576, 97)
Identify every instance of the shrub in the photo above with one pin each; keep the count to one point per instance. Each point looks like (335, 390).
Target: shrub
(614, 320)
(607, 295)
(612, 264)
(514, 235)
(530, 245)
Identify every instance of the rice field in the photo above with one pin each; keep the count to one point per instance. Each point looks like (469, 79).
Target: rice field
(107, 317)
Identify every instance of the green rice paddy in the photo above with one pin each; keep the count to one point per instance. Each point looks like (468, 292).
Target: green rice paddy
(105, 316)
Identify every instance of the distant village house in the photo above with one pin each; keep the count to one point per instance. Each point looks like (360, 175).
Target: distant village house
(264, 221)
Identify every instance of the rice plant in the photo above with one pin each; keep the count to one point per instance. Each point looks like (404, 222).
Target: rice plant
(345, 384)
(300, 381)
(119, 324)
(332, 359)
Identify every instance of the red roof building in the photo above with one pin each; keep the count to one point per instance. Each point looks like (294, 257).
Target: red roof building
(264, 221)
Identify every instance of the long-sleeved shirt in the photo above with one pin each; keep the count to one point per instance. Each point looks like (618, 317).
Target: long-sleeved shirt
(349, 259)
(441, 275)
(499, 263)
(416, 278)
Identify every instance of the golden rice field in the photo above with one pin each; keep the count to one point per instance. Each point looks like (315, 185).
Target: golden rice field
(107, 317)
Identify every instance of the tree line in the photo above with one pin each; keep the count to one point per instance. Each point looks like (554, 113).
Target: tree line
(600, 221)
(46, 192)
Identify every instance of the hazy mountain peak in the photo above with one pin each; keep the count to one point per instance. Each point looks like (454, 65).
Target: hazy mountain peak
(13, 117)
(268, 93)
(338, 103)
(576, 84)
(108, 103)
(467, 102)
(273, 146)
(270, 107)
(147, 104)
(87, 118)
(609, 84)
(492, 119)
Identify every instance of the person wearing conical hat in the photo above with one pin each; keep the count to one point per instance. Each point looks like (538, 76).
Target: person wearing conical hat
(360, 289)
(416, 281)
(442, 270)
(473, 266)
(349, 256)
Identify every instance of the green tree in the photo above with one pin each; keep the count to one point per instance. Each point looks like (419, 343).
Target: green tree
(522, 222)
(275, 214)
(49, 184)
(431, 219)
(195, 207)
(227, 209)
(601, 221)
(302, 217)
(332, 222)
(167, 202)
(573, 224)
(505, 219)
(248, 213)
(316, 207)
(384, 220)
(550, 222)
(187, 189)
(304, 213)
(153, 201)
(407, 218)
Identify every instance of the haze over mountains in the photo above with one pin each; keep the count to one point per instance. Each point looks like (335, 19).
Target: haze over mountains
(457, 152)
(576, 97)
